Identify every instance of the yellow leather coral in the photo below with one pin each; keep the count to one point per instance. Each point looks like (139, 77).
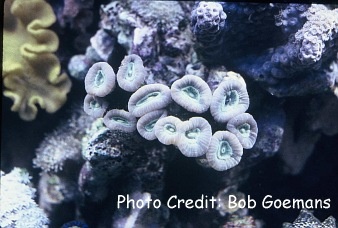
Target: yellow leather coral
(31, 72)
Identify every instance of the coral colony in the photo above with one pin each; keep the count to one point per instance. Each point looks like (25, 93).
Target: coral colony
(198, 88)
(149, 111)
(30, 69)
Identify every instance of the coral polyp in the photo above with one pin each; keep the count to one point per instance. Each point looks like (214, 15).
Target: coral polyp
(166, 130)
(225, 151)
(95, 106)
(117, 119)
(131, 74)
(228, 100)
(194, 136)
(149, 98)
(100, 79)
(192, 93)
(245, 128)
(146, 124)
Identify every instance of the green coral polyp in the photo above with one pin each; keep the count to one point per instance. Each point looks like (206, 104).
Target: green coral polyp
(193, 133)
(146, 124)
(166, 130)
(120, 120)
(148, 98)
(231, 98)
(94, 104)
(170, 128)
(224, 151)
(191, 92)
(194, 136)
(244, 129)
(99, 78)
(130, 72)
(150, 126)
